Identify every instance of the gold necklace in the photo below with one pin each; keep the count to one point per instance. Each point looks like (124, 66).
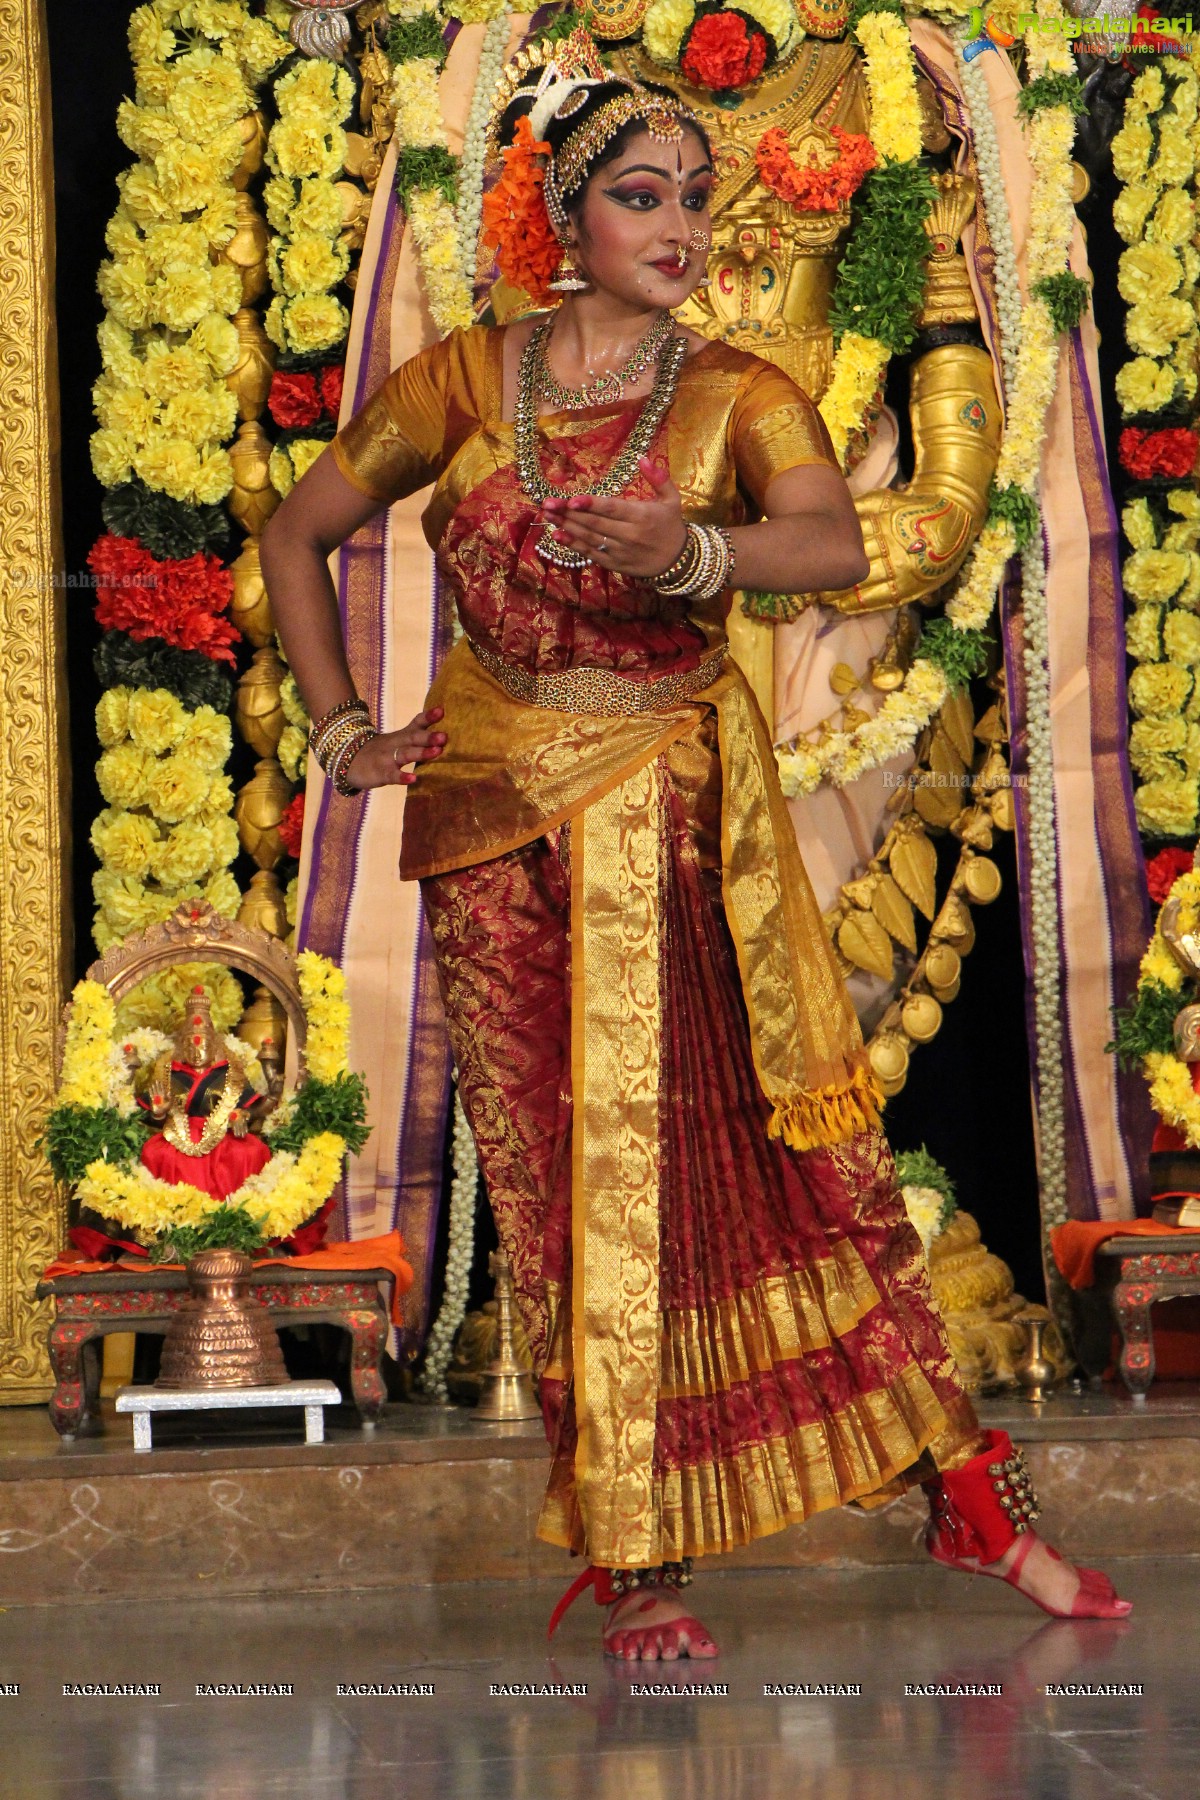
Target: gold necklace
(654, 409)
(177, 1130)
(610, 385)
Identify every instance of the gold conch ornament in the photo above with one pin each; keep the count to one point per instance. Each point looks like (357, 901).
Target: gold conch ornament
(320, 27)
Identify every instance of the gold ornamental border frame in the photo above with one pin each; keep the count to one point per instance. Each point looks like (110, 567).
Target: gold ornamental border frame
(35, 930)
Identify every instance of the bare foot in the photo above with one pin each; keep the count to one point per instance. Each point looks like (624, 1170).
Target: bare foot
(1034, 1567)
(654, 1626)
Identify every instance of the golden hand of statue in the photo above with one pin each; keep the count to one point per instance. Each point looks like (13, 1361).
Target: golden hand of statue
(915, 542)
(917, 537)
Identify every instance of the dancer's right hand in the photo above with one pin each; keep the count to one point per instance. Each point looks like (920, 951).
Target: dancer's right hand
(382, 762)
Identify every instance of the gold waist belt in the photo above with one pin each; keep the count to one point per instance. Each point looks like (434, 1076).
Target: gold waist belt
(601, 692)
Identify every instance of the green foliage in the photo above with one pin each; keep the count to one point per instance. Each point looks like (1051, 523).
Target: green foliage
(164, 526)
(960, 655)
(860, 8)
(881, 279)
(1019, 508)
(1051, 90)
(565, 23)
(427, 166)
(193, 678)
(783, 607)
(422, 36)
(1067, 298)
(79, 1135)
(917, 1168)
(1146, 1026)
(339, 1106)
(226, 1228)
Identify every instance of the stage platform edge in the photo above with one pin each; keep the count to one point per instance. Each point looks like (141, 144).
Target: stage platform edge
(431, 1496)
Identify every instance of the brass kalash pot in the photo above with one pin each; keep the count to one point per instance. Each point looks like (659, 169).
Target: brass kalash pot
(220, 1337)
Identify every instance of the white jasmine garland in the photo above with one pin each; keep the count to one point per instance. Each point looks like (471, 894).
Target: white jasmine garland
(453, 1310)
(471, 164)
(1043, 883)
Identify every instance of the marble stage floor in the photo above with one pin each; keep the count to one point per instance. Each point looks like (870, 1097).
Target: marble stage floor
(880, 1629)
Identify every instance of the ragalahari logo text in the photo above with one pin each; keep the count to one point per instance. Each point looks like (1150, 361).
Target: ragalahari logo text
(1144, 30)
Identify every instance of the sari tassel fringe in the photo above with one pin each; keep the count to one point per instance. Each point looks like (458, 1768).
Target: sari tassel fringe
(829, 1115)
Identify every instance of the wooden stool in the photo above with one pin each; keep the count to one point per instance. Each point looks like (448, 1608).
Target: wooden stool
(1131, 1274)
(88, 1307)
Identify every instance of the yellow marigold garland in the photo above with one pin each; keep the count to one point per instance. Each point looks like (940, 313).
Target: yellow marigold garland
(1170, 1078)
(306, 153)
(165, 412)
(1155, 215)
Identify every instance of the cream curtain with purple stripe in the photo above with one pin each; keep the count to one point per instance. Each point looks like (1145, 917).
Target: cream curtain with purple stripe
(1103, 909)
(353, 906)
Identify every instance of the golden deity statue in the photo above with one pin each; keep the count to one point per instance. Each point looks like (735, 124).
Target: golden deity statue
(772, 272)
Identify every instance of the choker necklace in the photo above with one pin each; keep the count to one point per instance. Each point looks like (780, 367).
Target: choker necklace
(671, 356)
(605, 387)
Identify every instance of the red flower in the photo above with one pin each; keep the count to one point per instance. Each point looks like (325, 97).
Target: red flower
(722, 53)
(293, 398)
(1164, 870)
(1169, 452)
(331, 388)
(178, 599)
(291, 826)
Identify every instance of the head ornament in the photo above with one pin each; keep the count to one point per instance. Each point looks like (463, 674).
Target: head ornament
(571, 70)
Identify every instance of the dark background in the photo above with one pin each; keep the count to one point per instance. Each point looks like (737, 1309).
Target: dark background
(967, 1097)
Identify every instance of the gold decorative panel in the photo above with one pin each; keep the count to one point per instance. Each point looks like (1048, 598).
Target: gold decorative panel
(34, 781)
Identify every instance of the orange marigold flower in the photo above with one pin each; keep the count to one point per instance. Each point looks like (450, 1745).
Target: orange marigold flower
(515, 221)
(809, 188)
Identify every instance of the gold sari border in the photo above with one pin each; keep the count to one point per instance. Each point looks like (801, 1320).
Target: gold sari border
(807, 1047)
(865, 1453)
(616, 1054)
(708, 1349)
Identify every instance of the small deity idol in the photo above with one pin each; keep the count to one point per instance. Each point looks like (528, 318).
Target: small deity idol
(200, 1091)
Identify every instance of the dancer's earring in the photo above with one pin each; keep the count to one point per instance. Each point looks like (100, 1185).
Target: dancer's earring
(567, 278)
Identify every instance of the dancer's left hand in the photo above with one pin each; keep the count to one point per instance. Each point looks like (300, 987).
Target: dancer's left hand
(630, 537)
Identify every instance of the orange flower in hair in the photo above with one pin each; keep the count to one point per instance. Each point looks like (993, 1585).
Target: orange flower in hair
(516, 224)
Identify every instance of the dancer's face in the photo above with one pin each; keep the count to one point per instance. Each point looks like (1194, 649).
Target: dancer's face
(639, 213)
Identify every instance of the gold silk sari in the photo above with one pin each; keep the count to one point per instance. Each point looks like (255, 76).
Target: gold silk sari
(665, 1078)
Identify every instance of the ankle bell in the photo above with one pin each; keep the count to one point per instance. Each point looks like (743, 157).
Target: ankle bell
(980, 1509)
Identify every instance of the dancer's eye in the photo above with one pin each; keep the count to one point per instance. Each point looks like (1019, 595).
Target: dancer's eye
(639, 199)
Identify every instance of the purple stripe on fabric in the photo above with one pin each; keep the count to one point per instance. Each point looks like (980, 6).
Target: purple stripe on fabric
(364, 384)
(391, 218)
(421, 1132)
(1122, 861)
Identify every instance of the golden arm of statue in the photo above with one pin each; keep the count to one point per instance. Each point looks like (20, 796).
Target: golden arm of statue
(917, 536)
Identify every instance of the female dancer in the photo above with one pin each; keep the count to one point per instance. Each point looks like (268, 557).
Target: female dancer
(667, 1086)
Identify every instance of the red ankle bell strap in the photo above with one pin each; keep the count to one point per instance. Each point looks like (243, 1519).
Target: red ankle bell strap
(599, 1580)
(980, 1509)
(613, 1584)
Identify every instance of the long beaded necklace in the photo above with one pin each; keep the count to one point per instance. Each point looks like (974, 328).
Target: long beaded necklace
(671, 358)
(607, 386)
